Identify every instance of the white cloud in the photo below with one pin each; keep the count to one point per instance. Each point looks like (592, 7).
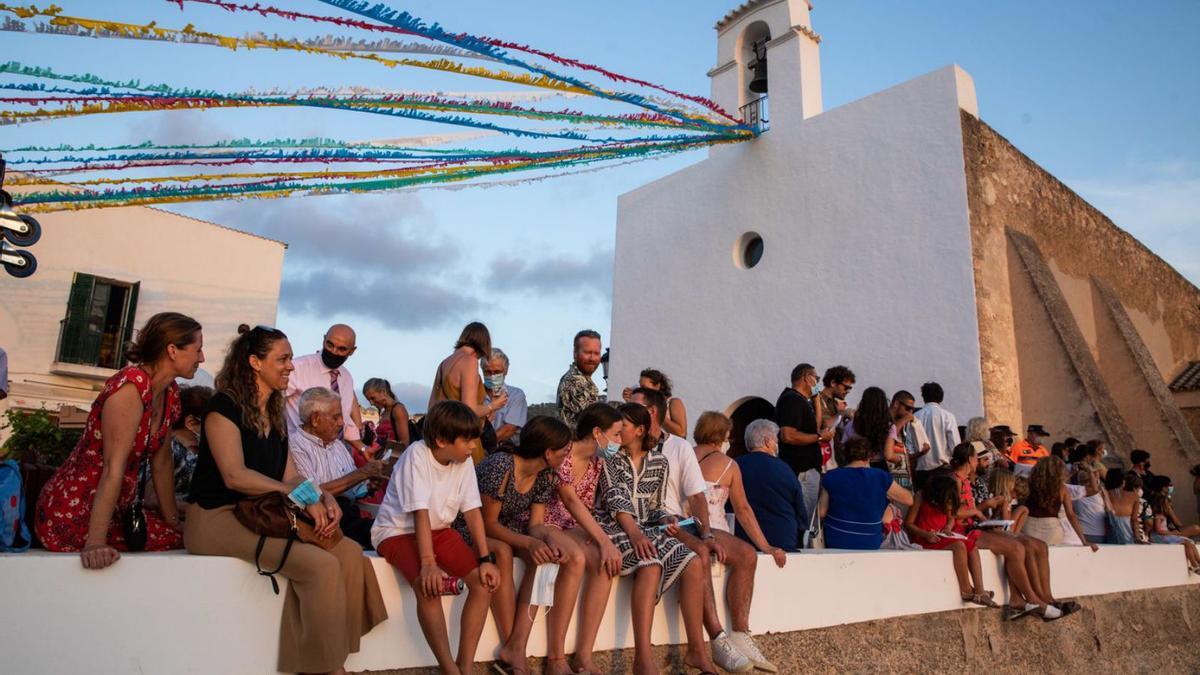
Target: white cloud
(1161, 207)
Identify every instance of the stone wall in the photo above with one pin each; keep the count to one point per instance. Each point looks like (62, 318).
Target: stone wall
(1097, 368)
(1131, 632)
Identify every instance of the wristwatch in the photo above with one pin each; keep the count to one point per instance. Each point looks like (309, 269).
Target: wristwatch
(489, 558)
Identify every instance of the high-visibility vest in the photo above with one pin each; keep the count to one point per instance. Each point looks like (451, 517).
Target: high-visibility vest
(1024, 453)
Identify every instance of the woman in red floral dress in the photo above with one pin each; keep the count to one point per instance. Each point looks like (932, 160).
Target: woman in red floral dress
(132, 416)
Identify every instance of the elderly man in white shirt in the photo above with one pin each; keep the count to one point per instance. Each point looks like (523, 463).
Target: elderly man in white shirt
(941, 430)
(326, 369)
(325, 460)
(686, 493)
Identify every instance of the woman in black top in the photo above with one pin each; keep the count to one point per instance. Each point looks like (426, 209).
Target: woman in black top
(243, 452)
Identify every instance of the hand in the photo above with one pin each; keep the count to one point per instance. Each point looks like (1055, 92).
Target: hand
(498, 402)
(826, 436)
(374, 468)
(779, 555)
(98, 556)
(610, 558)
(431, 579)
(626, 394)
(645, 548)
(672, 525)
(1094, 547)
(925, 448)
(715, 550)
(334, 513)
(931, 537)
(490, 576)
(541, 552)
(841, 408)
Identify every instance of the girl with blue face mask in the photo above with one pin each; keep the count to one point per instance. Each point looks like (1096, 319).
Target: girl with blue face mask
(597, 438)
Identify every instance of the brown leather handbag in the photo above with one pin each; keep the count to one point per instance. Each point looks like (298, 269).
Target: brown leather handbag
(274, 515)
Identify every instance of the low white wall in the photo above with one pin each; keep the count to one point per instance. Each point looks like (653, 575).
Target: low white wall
(174, 613)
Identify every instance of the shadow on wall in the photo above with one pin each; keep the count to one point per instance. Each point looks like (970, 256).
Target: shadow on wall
(744, 411)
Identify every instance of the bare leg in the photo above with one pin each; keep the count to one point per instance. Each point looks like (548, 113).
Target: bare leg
(595, 600)
(742, 562)
(1041, 556)
(642, 600)
(433, 626)
(504, 601)
(474, 613)
(691, 604)
(566, 592)
(960, 567)
(976, 567)
(1013, 552)
(513, 651)
(712, 622)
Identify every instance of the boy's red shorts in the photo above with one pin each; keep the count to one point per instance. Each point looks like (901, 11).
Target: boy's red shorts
(453, 555)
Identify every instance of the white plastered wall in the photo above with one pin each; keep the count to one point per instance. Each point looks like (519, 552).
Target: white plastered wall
(867, 262)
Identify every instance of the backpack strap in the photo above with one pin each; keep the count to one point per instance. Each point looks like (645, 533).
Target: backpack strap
(262, 541)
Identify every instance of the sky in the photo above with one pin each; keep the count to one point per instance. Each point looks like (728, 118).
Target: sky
(1101, 94)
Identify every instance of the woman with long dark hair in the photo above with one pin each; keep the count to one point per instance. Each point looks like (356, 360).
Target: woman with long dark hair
(128, 430)
(458, 379)
(243, 453)
(873, 422)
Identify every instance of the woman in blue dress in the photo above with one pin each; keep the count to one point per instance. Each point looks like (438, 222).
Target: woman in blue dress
(854, 499)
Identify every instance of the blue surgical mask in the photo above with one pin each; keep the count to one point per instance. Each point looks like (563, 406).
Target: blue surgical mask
(1170, 490)
(610, 450)
(493, 382)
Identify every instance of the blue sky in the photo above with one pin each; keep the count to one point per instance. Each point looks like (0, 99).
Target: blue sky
(1102, 94)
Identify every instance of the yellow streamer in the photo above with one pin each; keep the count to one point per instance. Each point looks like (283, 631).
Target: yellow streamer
(233, 43)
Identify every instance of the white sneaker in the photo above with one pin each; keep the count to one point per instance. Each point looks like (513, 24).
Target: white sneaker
(745, 645)
(727, 656)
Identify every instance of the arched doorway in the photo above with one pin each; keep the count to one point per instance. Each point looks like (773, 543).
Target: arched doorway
(742, 412)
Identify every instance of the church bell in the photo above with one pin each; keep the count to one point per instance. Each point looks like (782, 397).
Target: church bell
(758, 85)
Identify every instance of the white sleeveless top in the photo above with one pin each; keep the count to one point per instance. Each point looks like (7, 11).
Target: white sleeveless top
(716, 495)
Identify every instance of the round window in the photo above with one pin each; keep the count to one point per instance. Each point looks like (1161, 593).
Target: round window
(748, 250)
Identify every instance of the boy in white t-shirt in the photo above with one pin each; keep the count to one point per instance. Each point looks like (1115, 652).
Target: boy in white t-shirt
(431, 484)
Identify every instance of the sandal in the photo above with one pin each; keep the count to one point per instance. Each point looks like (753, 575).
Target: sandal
(1011, 613)
(567, 663)
(502, 667)
(1068, 606)
(981, 599)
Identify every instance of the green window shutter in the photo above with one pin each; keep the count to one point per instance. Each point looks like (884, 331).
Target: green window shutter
(72, 342)
(130, 315)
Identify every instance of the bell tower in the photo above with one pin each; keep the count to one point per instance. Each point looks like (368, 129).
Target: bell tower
(762, 32)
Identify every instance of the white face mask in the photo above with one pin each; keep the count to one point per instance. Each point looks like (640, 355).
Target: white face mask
(725, 447)
(543, 585)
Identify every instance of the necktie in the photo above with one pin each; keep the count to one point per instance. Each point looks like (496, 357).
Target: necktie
(333, 384)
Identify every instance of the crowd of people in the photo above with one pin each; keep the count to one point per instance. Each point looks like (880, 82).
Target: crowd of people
(598, 492)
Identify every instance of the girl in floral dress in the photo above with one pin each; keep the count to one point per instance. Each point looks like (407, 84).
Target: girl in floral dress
(129, 422)
(597, 435)
(630, 510)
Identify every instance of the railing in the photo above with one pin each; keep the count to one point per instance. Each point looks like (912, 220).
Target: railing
(754, 115)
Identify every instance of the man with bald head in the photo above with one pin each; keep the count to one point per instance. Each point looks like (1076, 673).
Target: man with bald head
(326, 369)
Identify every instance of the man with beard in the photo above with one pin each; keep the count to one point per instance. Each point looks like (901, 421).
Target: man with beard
(576, 390)
(325, 369)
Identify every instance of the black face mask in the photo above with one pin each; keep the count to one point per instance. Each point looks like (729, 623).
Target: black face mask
(332, 360)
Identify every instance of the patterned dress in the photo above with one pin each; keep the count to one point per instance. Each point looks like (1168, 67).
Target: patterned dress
(623, 490)
(495, 476)
(585, 488)
(65, 504)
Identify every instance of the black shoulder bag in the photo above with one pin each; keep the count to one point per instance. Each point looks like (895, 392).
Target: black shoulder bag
(133, 518)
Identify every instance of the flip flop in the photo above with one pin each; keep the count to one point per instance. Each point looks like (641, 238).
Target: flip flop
(502, 667)
(981, 599)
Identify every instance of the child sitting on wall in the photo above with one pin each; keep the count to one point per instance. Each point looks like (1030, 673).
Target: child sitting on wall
(431, 484)
(931, 523)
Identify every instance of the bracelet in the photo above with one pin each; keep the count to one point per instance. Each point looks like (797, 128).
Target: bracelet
(708, 536)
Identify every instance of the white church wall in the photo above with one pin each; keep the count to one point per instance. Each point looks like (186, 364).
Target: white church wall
(867, 261)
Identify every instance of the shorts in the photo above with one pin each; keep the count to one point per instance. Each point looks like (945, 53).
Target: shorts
(452, 553)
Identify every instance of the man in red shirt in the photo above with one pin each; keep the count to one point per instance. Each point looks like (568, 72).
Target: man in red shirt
(1029, 450)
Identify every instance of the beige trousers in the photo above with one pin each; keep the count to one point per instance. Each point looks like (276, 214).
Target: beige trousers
(332, 599)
